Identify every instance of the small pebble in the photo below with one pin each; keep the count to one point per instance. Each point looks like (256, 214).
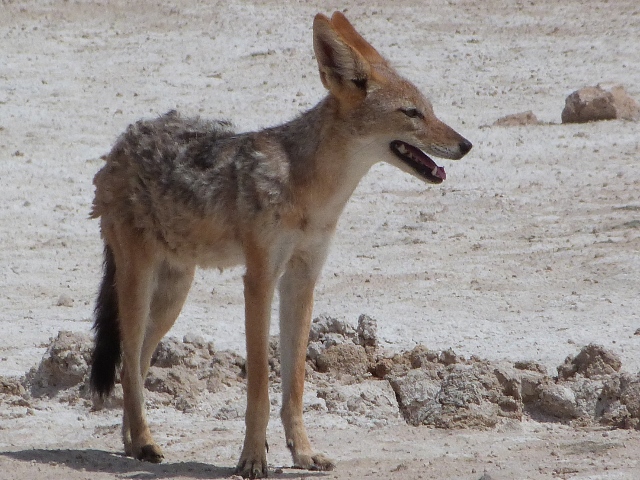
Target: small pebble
(64, 301)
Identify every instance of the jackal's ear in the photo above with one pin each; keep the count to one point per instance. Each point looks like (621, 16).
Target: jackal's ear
(355, 40)
(343, 70)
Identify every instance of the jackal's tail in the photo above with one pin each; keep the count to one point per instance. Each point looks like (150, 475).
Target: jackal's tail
(106, 351)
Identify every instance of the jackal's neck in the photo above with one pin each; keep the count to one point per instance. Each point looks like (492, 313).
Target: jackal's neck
(321, 150)
(302, 137)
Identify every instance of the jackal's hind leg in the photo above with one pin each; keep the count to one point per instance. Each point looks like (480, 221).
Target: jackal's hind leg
(172, 286)
(135, 265)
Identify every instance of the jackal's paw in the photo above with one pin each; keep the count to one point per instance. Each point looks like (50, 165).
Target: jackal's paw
(150, 453)
(316, 461)
(252, 467)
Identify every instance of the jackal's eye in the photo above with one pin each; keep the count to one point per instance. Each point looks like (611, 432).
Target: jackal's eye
(412, 113)
(361, 83)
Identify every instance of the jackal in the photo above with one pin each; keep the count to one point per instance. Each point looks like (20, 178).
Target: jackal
(177, 193)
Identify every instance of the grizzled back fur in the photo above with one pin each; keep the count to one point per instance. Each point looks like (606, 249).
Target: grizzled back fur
(171, 177)
(169, 152)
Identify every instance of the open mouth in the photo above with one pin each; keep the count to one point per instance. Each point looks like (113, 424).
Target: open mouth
(419, 161)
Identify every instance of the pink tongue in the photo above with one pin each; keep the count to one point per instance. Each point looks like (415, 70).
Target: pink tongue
(427, 162)
(441, 173)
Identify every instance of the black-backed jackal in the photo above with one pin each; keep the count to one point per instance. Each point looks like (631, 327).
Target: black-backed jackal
(178, 193)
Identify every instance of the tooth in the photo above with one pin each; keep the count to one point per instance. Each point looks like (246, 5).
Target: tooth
(434, 172)
(402, 149)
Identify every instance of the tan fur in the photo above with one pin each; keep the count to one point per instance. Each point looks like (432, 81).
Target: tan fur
(178, 193)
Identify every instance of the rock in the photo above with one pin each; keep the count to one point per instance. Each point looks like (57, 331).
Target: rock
(517, 119)
(421, 357)
(568, 369)
(530, 385)
(314, 349)
(274, 357)
(510, 381)
(64, 300)
(194, 339)
(65, 364)
(530, 365)
(595, 103)
(179, 385)
(588, 104)
(13, 393)
(626, 107)
(449, 357)
(181, 371)
(312, 401)
(11, 386)
(330, 339)
(226, 369)
(587, 394)
(365, 403)
(171, 352)
(324, 325)
(367, 331)
(416, 393)
(592, 361)
(336, 346)
(424, 387)
(558, 401)
(460, 389)
(344, 358)
(630, 393)
(619, 402)
(382, 367)
(479, 396)
(458, 396)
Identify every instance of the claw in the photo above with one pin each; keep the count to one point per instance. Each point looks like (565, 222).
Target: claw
(150, 453)
(255, 470)
(315, 463)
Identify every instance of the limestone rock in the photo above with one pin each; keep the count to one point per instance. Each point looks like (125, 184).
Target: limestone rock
(65, 364)
(416, 393)
(365, 403)
(343, 358)
(367, 331)
(558, 401)
(626, 107)
(590, 104)
(517, 119)
(592, 361)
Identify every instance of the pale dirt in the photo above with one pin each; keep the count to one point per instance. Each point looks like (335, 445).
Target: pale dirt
(529, 250)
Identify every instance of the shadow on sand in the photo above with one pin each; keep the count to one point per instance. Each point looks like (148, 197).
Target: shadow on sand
(106, 462)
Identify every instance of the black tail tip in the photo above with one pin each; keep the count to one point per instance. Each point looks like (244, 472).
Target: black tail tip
(106, 354)
(103, 374)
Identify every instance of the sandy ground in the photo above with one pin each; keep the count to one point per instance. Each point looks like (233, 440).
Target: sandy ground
(529, 250)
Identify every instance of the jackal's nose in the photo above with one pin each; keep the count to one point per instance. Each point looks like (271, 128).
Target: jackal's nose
(465, 145)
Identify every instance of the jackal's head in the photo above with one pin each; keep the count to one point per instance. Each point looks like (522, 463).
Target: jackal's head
(392, 120)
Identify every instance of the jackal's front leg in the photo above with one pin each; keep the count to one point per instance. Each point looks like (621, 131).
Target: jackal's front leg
(296, 305)
(259, 284)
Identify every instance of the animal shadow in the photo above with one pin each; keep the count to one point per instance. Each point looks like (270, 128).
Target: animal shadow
(106, 462)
